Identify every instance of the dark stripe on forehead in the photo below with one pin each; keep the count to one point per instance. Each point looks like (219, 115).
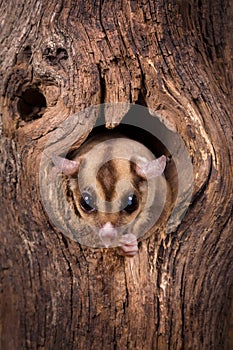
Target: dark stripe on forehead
(107, 177)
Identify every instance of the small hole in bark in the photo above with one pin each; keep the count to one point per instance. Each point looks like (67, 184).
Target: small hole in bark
(32, 104)
(27, 51)
(55, 57)
(25, 55)
(62, 54)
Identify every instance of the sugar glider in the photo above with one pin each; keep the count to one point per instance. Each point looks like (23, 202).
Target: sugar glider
(117, 188)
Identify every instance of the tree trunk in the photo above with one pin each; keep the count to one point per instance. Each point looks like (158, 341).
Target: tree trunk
(59, 57)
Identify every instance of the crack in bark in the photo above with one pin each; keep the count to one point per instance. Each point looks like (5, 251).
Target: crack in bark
(167, 56)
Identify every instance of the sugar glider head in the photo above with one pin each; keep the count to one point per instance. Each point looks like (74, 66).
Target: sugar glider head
(110, 189)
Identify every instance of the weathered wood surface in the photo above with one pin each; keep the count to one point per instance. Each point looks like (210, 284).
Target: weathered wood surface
(173, 57)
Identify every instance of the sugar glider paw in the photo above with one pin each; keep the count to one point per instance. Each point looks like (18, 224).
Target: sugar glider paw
(128, 245)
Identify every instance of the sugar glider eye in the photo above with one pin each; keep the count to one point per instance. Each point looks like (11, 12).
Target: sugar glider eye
(131, 203)
(87, 202)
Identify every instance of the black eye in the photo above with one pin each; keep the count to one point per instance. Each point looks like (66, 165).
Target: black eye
(87, 202)
(131, 203)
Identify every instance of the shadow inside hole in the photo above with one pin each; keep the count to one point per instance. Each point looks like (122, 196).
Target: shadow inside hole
(31, 104)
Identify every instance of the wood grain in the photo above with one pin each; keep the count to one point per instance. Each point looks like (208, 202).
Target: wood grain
(175, 58)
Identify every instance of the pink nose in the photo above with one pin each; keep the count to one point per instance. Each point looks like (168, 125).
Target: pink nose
(107, 234)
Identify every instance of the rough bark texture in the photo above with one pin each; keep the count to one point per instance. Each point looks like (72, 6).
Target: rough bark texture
(175, 58)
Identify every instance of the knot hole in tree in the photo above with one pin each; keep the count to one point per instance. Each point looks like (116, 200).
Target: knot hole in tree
(31, 104)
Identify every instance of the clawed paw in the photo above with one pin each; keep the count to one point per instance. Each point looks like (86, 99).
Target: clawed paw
(128, 245)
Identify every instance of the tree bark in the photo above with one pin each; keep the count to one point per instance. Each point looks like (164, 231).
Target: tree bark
(59, 57)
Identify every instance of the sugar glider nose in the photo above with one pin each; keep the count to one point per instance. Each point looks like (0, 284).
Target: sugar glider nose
(107, 234)
(108, 225)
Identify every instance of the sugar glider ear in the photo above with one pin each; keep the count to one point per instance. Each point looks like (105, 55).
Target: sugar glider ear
(152, 168)
(66, 166)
